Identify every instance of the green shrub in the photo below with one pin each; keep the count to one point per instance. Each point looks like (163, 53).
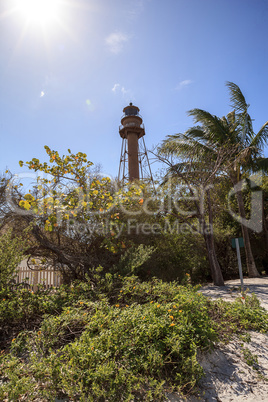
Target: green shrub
(123, 340)
(11, 254)
(95, 351)
(174, 256)
(133, 259)
(244, 313)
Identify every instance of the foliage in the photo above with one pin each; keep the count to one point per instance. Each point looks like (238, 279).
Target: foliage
(12, 250)
(82, 221)
(133, 259)
(76, 216)
(244, 313)
(125, 340)
(21, 308)
(221, 147)
(250, 358)
(177, 254)
(192, 181)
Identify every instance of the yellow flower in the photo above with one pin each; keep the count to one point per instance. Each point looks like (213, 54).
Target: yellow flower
(126, 305)
(180, 311)
(143, 318)
(172, 324)
(13, 340)
(174, 306)
(187, 274)
(158, 305)
(171, 316)
(85, 314)
(169, 310)
(117, 305)
(151, 301)
(81, 302)
(133, 287)
(92, 348)
(68, 312)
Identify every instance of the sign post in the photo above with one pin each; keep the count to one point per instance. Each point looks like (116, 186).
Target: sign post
(237, 243)
(239, 263)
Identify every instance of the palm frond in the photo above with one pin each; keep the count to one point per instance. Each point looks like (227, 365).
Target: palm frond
(217, 144)
(212, 126)
(231, 118)
(261, 138)
(244, 128)
(187, 145)
(177, 148)
(231, 125)
(248, 129)
(238, 101)
(197, 133)
(260, 164)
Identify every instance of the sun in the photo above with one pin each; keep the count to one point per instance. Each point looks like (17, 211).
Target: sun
(39, 11)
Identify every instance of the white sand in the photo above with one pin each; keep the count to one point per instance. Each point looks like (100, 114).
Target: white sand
(227, 375)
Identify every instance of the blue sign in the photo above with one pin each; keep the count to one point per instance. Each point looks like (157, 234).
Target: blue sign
(240, 242)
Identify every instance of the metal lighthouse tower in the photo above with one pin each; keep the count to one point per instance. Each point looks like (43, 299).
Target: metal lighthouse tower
(134, 161)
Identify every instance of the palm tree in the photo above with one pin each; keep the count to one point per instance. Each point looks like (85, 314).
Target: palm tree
(196, 178)
(247, 159)
(233, 133)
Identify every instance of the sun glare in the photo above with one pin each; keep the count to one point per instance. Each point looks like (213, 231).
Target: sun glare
(39, 11)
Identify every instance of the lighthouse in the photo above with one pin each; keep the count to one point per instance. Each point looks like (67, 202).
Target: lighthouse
(134, 162)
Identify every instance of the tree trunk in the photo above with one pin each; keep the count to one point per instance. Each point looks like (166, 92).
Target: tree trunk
(215, 268)
(214, 263)
(251, 267)
(265, 225)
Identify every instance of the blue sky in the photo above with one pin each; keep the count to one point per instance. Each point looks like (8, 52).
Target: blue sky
(64, 82)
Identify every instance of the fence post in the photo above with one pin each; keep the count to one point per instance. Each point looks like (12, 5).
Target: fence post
(35, 280)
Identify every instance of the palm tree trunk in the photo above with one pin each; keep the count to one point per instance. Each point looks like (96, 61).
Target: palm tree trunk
(207, 231)
(251, 267)
(215, 268)
(265, 224)
(209, 239)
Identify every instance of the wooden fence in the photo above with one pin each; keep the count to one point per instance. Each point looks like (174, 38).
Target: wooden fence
(47, 277)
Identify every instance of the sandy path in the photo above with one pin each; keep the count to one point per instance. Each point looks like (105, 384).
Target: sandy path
(231, 290)
(227, 375)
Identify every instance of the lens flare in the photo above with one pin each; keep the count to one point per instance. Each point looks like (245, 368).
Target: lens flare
(39, 11)
(90, 105)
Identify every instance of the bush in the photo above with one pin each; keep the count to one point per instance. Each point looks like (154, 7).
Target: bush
(133, 259)
(95, 352)
(124, 340)
(11, 254)
(176, 255)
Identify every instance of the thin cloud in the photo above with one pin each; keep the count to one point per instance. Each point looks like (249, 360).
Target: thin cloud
(115, 87)
(135, 9)
(126, 93)
(115, 42)
(42, 94)
(184, 83)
